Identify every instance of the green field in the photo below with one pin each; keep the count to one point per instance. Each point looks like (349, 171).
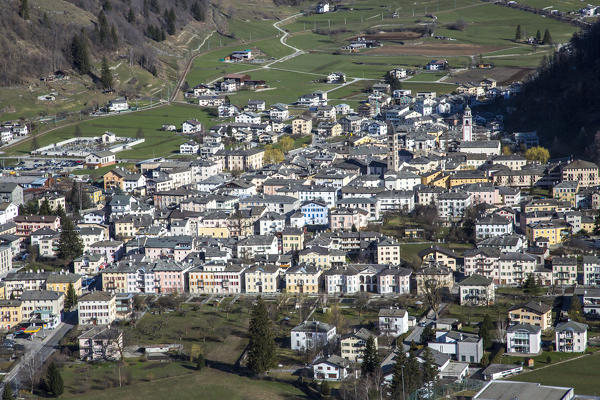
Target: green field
(157, 381)
(581, 374)
(158, 143)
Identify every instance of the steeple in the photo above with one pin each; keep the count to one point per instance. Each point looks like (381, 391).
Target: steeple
(467, 125)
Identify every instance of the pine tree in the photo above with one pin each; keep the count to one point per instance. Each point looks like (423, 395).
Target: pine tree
(200, 362)
(79, 54)
(8, 393)
(397, 386)
(261, 348)
(370, 361)
(103, 26)
(428, 334)
(71, 299)
(45, 208)
(538, 36)
(485, 330)
(547, 37)
(430, 369)
(170, 17)
(113, 36)
(54, 381)
(197, 11)
(597, 224)
(412, 372)
(518, 34)
(576, 310)
(131, 16)
(106, 76)
(24, 9)
(69, 244)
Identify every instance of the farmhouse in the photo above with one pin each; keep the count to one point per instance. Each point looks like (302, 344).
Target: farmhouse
(100, 159)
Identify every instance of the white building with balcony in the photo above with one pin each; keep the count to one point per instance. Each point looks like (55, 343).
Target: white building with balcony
(524, 339)
(571, 337)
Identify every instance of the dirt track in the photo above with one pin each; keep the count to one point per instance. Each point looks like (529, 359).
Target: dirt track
(433, 49)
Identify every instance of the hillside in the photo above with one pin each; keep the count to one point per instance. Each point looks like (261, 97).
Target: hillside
(561, 101)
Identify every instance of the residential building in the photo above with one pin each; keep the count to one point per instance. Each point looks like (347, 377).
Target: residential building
(101, 343)
(10, 314)
(570, 337)
(302, 279)
(392, 321)
(524, 339)
(262, 279)
(97, 308)
(332, 368)
(353, 345)
(311, 335)
(465, 347)
(532, 313)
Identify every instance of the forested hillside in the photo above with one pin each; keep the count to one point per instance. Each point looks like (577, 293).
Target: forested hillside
(40, 36)
(562, 101)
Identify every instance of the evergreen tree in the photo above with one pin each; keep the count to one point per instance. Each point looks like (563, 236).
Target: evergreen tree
(113, 36)
(538, 36)
(597, 224)
(107, 6)
(547, 37)
(428, 334)
(131, 16)
(370, 361)
(531, 286)
(197, 11)
(45, 208)
(54, 381)
(576, 310)
(106, 75)
(79, 54)
(200, 362)
(412, 372)
(395, 83)
(485, 330)
(8, 393)
(261, 348)
(325, 388)
(24, 9)
(69, 244)
(430, 369)
(71, 299)
(103, 27)
(170, 17)
(397, 386)
(518, 34)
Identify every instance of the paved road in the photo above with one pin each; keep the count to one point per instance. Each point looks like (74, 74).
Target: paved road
(37, 353)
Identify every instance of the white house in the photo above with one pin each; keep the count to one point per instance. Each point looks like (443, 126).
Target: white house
(311, 335)
(118, 105)
(524, 338)
(493, 225)
(332, 368)
(571, 337)
(247, 118)
(191, 126)
(100, 159)
(398, 73)
(476, 290)
(8, 211)
(97, 308)
(189, 148)
(393, 321)
(279, 112)
(322, 8)
(336, 77)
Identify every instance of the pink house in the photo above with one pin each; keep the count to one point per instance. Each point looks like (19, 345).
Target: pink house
(345, 218)
(484, 194)
(172, 247)
(112, 250)
(169, 277)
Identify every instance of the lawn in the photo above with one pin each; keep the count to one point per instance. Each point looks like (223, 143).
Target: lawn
(409, 251)
(427, 76)
(581, 374)
(158, 143)
(159, 380)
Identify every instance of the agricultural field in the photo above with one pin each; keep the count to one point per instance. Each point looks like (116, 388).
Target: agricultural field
(158, 143)
(580, 374)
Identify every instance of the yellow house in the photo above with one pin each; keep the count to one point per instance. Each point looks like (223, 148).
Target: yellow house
(428, 177)
(262, 279)
(302, 279)
(213, 231)
(10, 314)
(302, 126)
(532, 313)
(114, 179)
(553, 231)
(441, 255)
(566, 191)
(60, 282)
(292, 239)
(587, 224)
(441, 181)
(544, 205)
(354, 344)
(94, 193)
(321, 257)
(2, 291)
(466, 178)
(200, 280)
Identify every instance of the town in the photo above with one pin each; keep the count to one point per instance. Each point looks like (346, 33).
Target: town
(271, 232)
